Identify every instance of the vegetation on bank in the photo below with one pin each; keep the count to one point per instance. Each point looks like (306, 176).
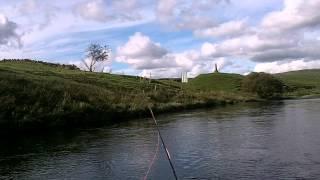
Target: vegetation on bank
(36, 94)
(264, 85)
(40, 95)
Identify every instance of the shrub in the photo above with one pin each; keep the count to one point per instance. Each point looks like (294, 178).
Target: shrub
(264, 85)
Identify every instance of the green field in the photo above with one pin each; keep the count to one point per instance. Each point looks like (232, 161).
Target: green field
(37, 94)
(40, 95)
(301, 83)
(217, 82)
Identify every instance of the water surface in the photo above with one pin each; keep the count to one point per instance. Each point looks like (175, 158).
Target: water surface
(277, 140)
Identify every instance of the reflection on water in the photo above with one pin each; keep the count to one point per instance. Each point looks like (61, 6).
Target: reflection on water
(275, 140)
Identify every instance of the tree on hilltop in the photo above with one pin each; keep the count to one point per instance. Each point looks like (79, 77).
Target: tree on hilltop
(96, 53)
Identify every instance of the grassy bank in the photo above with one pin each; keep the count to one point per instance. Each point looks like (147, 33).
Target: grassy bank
(38, 95)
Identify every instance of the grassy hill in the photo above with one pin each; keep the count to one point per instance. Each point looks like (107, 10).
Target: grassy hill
(35, 94)
(299, 83)
(302, 83)
(217, 82)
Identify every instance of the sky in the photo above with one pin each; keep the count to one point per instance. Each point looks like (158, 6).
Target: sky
(166, 37)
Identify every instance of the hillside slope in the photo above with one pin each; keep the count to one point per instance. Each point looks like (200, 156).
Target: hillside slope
(37, 94)
(217, 82)
(34, 94)
(302, 83)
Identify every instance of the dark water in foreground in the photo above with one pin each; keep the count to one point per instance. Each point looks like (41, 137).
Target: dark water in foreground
(279, 140)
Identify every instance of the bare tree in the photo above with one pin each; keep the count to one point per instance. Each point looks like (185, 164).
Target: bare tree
(96, 53)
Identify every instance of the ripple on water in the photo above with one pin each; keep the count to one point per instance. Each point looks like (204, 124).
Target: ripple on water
(272, 141)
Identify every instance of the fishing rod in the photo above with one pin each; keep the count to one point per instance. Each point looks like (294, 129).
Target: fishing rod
(164, 145)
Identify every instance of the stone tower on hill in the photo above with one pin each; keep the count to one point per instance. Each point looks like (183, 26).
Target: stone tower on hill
(216, 68)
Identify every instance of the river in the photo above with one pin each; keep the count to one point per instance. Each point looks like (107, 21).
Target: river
(275, 140)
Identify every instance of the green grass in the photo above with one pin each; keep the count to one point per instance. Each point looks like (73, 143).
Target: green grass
(302, 83)
(216, 82)
(299, 83)
(39, 95)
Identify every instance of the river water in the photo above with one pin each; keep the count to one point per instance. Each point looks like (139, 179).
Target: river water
(276, 140)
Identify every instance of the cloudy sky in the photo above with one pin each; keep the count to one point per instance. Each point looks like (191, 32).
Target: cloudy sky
(167, 37)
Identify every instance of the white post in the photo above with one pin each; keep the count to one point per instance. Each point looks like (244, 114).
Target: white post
(182, 77)
(186, 77)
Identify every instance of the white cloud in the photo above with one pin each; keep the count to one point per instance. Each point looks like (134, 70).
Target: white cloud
(296, 14)
(288, 34)
(198, 67)
(209, 49)
(264, 45)
(101, 11)
(125, 5)
(165, 9)
(28, 6)
(94, 10)
(227, 29)
(37, 13)
(140, 46)
(192, 14)
(8, 35)
(306, 50)
(129, 10)
(246, 45)
(141, 53)
(278, 37)
(193, 22)
(279, 66)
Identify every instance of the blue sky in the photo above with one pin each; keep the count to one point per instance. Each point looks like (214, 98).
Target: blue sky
(166, 37)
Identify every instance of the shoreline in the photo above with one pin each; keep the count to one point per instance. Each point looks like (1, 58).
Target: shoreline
(121, 117)
(36, 96)
(115, 117)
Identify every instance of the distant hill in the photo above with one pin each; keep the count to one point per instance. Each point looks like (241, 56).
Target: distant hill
(300, 83)
(304, 77)
(217, 82)
(65, 66)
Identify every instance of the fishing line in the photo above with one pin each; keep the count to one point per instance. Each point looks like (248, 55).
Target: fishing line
(166, 151)
(154, 158)
(163, 144)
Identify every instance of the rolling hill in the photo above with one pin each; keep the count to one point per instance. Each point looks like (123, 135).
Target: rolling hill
(304, 77)
(216, 82)
(302, 83)
(38, 94)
